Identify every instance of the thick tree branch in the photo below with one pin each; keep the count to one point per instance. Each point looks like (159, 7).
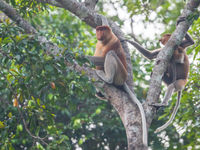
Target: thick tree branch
(11, 13)
(85, 14)
(3, 17)
(165, 55)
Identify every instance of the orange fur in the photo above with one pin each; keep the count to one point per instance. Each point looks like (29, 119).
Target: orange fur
(108, 41)
(165, 38)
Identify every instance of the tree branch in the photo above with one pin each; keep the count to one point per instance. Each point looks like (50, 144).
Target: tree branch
(91, 4)
(132, 32)
(11, 13)
(3, 17)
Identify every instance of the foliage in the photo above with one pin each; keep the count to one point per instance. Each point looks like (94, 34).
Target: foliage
(47, 105)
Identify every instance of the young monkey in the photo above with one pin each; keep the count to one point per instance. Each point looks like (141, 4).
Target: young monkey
(114, 71)
(176, 74)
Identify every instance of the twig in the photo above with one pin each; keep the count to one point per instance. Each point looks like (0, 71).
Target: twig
(132, 32)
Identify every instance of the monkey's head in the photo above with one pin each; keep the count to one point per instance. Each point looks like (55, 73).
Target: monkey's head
(103, 33)
(165, 38)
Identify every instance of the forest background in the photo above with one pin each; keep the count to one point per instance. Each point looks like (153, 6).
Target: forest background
(46, 103)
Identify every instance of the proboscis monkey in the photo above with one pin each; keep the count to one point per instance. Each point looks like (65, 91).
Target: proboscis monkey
(109, 49)
(176, 74)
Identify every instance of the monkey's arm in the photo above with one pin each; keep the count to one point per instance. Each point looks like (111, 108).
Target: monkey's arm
(97, 61)
(148, 54)
(187, 42)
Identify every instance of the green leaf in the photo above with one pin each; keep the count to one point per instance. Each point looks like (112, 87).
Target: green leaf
(38, 101)
(19, 128)
(1, 125)
(50, 96)
(10, 115)
(98, 111)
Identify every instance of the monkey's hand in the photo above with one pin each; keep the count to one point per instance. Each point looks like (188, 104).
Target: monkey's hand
(159, 104)
(97, 61)
(180, 19)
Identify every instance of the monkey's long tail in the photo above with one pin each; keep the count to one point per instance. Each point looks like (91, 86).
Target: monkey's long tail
(172, 116)
(144, 123)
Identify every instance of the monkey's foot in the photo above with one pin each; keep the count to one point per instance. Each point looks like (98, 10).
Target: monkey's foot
(99, 73)
(159, 104)
(102, 75)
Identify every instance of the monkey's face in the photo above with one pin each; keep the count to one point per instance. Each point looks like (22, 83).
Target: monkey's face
(179, 54)
(165, 38)
(102, 33)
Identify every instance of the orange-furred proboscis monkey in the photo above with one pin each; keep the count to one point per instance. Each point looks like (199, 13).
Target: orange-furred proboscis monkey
(114, 69)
